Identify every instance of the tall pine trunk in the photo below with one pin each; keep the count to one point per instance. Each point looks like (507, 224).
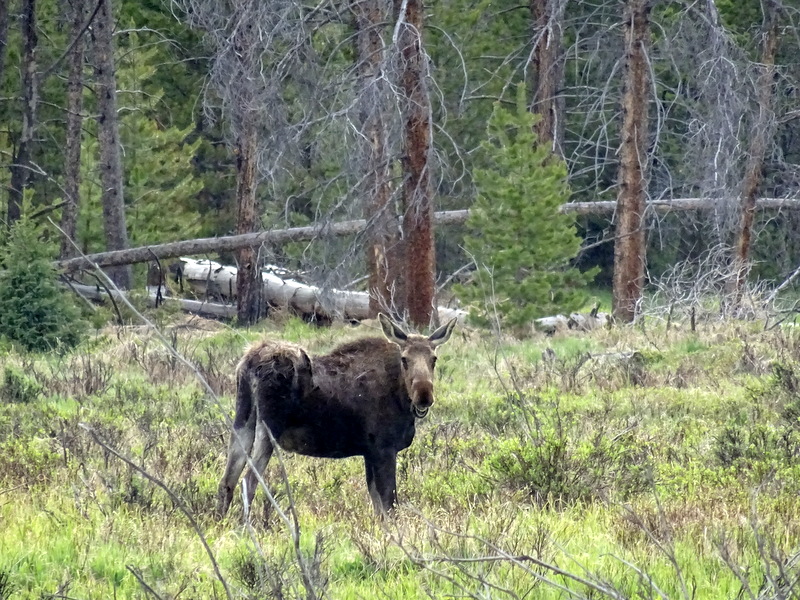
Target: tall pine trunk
(248, 279)
(630, 241)
(111, 176)
(72, 162)
(547, 75)
(419, 260)
(21, 163)
(762, 129)
(383, 229)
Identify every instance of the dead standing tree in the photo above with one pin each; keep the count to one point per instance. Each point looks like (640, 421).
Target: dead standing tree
(111, 174)
(21, 163)
(243, 87)
(763, 126)
(629, 246)
(420, 261)
(72, 158)
(383, 242)
(547, 74)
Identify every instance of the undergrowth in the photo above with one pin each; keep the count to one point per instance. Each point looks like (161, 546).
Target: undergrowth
(615, 464)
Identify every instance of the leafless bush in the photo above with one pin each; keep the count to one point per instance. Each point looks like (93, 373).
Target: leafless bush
(701, 289)
(80, 376)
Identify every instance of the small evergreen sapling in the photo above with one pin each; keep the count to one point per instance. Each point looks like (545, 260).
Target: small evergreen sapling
(34, 312)
(521, 243)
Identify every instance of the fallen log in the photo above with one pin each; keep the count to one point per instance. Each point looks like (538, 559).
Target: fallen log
(214, 285)
(233, 242)
(575, 322)
(199, 307)
(298, 234)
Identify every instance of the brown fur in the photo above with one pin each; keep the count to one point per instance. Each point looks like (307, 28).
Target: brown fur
(362, 399)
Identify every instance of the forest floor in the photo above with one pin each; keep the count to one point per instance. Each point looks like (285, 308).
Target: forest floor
(628, 463)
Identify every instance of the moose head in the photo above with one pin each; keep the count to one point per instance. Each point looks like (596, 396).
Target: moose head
(417, 360)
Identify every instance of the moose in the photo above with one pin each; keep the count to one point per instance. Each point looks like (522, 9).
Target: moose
(361, 399)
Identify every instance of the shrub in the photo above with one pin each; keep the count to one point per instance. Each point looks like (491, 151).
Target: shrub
(34, 312)
(17, 386)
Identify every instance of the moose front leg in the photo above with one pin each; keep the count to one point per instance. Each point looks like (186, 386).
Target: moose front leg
(239, 447)
(381, 471)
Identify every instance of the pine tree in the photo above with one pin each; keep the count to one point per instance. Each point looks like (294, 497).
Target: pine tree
(521, 243)
(34, 312)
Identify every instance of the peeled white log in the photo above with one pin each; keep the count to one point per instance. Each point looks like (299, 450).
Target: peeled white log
(215, 281)
(576, 321)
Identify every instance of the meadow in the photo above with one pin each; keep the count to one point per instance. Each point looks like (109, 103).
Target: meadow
(631, 462)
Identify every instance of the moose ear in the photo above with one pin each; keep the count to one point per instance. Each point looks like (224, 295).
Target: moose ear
(392, 330)
(441, 335)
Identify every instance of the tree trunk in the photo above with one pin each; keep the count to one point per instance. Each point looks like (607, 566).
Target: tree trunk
(111, 176)
(547, 76)
(761, 134)
(629, 247)
(20, 168)
(72, 162)
(248, 281)
(3, 34)
(419, 260)
(383, 230)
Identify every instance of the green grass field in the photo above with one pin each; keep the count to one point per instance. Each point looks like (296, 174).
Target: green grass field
(671, 472)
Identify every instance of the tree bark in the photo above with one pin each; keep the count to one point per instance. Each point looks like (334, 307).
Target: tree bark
(420, 261)
(761, 133)
(3, 34)
(72, 161)
(629, 246)
(21, 165)
(383, 243)
(248, 281)
(111, 175)
(547, 75)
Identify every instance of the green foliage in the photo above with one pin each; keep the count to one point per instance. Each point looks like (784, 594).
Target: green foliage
(556, 465)
(160, 184)
(520, 242)
(18, 386)
(34, 312)
(563, 476)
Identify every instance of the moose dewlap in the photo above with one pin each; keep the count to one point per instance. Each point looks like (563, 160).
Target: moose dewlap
(362, 399)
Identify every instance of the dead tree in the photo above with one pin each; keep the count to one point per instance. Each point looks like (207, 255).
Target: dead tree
(3, 35)
(383, 249)
(419, 262)
(72, 159)
(629, 246)
(21, 163)
(111, 174)
(547, 76)
(761, 132)
(248, 282)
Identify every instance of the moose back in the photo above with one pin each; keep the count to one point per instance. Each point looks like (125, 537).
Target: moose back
(362, 399)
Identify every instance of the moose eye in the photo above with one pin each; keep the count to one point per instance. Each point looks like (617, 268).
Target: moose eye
(404, 360)
(433, 361)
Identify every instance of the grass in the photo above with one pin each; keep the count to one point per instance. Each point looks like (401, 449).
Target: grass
(672, 474)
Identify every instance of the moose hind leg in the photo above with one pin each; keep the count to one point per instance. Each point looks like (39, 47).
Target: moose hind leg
(238, 449)
(262, 452)
(381, 470)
